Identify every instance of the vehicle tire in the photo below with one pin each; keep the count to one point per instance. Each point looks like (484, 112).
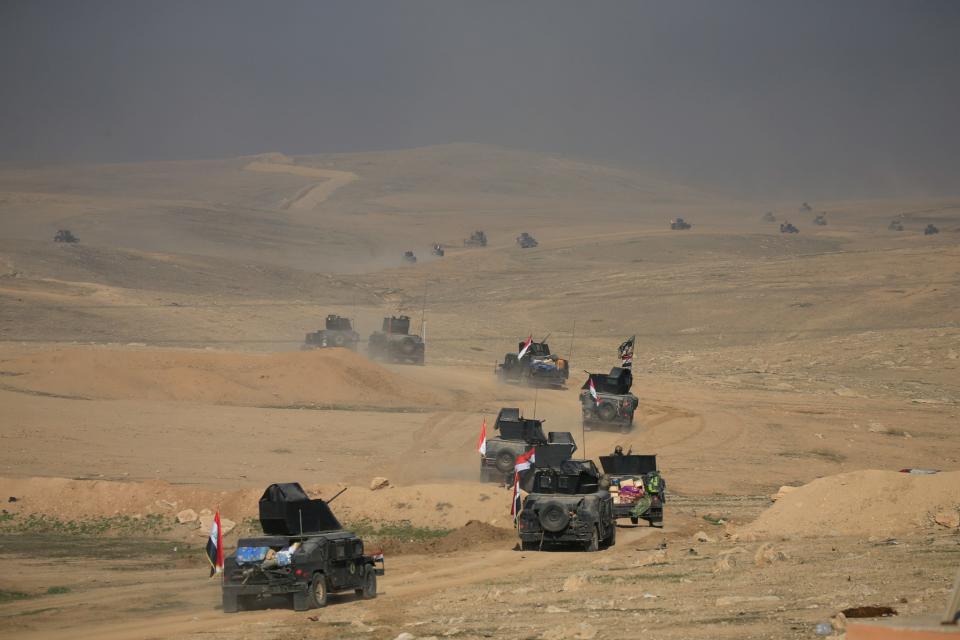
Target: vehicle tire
(611, 538)
(594, 543)
(369, 589)
(634, 520)
(505, 461)
(607, 411)
(553, 517)
(231, 602)
(338, 340)
(408, 346)
(318, 591)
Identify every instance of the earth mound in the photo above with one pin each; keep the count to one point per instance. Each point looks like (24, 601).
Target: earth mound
(332, 378)
(861, 503)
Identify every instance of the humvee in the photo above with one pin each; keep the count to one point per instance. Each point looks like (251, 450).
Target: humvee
(338, 333)
(538, 366)
(526, 241)
(304, 553)
(409, 257)
(636, 469)
(679, 224)
(565, 504)
(437, 250)
(516, 435)
(476, 239)
(820, 220)
(614, 405)
(931, 230)
(787, 227)
(895, 225)
(395, 343)
(65, 235)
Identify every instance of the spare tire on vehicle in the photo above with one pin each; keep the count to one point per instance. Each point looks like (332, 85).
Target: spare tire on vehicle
(505, 461)
(408, 346)
(607, 410)
(553, 517)
(339, 339)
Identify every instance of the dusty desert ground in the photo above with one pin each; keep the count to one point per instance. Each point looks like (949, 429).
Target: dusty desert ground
(156, 366)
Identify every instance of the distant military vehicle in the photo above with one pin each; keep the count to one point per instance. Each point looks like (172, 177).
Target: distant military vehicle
(537, 366)
(65, 235)
(526, 241)
(613, 405)
(769, 217)
(805, 208)
(565, 504)
(338, 333)
(820, 220)
(516, 435)
(304, 553)
(409, 257)
(645, 500)
(679, 224)
(476, 239)
(787, 227)
(437, 250)
(395, 343)
(931, 230)
(895, 225)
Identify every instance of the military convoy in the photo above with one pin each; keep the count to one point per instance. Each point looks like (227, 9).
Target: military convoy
(533, 365)
(605, 400)
(395, 343)
(526, 241)
(65, 235)
(517, 435)
(679, 224)
(304, 554)
(338, 333)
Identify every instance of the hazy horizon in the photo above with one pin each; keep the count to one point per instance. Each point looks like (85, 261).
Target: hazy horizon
(828, 98)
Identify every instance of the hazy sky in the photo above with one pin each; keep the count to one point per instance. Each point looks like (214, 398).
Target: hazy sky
(818, 96)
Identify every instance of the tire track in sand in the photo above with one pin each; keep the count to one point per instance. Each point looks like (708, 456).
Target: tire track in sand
(309, 197)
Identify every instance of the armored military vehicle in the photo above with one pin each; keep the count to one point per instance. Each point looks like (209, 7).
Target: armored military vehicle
(638, 489)
(517, 435)
(338, 333)
(565, 504)
(304, 554)
(820, 220)
(613, 405)
(526, 241)
(437, 250)
(394, 343)
(679, 224)
(895, 225)
(409, 257)
(65, 235)
(538, 366)
(787, 227)
(476, 239)
(931, 230)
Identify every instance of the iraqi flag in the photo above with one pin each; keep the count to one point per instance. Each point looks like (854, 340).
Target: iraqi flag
(593, 393)
(215, 546)
(626, 352)
(526, 345)
(482, 444)
(523, 462)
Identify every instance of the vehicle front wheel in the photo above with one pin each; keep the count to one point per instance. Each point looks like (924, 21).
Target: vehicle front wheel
(594, 542)
(318, 590)
(369, 590)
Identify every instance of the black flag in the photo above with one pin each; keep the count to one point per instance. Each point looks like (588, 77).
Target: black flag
(626, 352)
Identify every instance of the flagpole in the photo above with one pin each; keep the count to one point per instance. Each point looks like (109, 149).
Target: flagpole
(573, 333)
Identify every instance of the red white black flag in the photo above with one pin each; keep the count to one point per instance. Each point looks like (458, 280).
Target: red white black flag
(482, 445)
(523, 462)
(593, 393)
(526, 345)
(215, 546)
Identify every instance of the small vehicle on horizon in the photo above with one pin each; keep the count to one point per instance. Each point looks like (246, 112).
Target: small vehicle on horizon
(409, 257)
(395, 343)
(65, 235)
(526, 241)
(679, 224)
(338, 333)
(931, 230)
(437, 250)
(788, 227)
(476, 239)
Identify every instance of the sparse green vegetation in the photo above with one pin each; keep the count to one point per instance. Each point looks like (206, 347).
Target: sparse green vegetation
(55, 591)
(150, 524)
(10, 596)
